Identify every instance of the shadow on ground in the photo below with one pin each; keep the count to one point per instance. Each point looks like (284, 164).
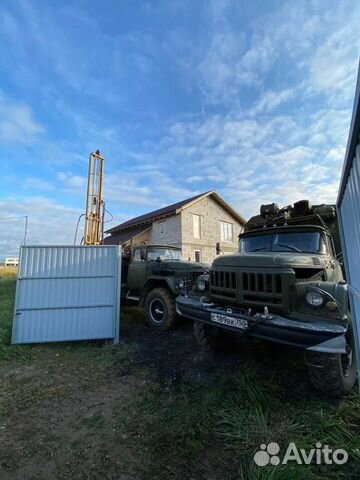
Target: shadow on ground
(176, 357)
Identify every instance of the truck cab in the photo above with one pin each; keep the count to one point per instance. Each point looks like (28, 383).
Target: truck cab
(153, 275)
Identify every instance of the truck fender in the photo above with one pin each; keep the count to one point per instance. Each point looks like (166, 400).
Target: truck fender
(150, 284)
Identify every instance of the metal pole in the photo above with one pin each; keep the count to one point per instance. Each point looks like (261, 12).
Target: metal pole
(26, 228)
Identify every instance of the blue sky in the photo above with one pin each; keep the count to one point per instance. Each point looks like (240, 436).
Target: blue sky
(250, 98)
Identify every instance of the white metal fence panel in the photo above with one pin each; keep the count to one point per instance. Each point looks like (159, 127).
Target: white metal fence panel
(66, 293)
(348, 205)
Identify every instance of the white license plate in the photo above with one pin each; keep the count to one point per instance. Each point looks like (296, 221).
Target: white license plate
(230, 321)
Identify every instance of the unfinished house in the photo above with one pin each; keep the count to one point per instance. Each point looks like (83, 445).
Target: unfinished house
(195, 224)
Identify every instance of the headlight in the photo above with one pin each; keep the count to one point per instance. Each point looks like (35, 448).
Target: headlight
(201, 284)
(314, 298)
(180, 283)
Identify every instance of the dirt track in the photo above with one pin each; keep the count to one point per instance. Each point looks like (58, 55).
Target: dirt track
(176, 357)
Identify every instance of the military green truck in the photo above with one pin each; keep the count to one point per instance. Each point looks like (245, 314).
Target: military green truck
(152, 276)
(284, 285)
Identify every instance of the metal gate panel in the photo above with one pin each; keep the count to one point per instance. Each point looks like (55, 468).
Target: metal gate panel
(348, 206)
(66, 293)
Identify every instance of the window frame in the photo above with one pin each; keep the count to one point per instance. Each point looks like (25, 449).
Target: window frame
(198, 217)
(161, 226)
(223, 237)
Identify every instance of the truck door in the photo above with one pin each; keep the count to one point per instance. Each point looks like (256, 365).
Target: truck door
(137, 271)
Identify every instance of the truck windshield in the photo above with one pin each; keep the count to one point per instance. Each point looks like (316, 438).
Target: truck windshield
(163, 254)
(303, 242)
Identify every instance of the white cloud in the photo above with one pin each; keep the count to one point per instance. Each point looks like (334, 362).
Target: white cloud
(144, 186)
(219, 177)
(49, 223)
(336, 154)
(270, 100)
(17, 123)
(321, 51)
(245, 68)
(259, 58)
(36, 184)
(73, 182)
(332, 66)
(332, 124)
(195, 179)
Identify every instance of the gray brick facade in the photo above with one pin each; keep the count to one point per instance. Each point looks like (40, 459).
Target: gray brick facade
(211, 214)
(198, 243)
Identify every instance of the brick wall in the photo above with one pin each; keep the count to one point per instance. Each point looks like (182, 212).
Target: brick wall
(211, 214)
(172, 233)
(179, 231)
(142, 238)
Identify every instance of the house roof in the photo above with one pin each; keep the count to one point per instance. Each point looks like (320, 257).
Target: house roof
(121, 237)
(175, 208)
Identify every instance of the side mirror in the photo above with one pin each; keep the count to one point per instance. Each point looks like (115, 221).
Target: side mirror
(142, 255)
(218, 249)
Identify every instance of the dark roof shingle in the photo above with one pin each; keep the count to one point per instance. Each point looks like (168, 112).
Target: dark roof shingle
(151, 216)
(122, 236)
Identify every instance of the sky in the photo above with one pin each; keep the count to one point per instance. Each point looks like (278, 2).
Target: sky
(252, 99)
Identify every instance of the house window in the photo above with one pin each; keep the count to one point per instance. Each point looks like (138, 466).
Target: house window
(197, 226)
(162, 227)
(226, 231)
(197, 254)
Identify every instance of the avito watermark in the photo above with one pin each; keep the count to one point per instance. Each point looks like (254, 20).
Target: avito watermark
(322, 454)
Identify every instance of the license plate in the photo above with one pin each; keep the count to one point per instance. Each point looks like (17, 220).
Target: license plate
(230, 321)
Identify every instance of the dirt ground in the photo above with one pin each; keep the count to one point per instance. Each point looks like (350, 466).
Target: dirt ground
(158, 407)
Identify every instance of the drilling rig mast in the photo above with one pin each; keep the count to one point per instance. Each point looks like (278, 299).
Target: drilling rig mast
(95, 206)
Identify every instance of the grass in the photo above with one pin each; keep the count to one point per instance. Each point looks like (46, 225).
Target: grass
(206, 429)
(7, 290)
(92, 410)
(8, 272)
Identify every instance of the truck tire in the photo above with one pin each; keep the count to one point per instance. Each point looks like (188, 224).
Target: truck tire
(160, 309)
(333, 374)
(211, 338)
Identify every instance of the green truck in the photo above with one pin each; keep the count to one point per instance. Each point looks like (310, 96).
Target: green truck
(153, 276)
(285, 285)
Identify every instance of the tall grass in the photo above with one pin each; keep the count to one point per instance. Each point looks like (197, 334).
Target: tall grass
(8, 272)
(7, 296)
(257, 414)
(217, 427)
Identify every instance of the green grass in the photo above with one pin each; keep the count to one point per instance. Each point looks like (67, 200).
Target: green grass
(224, 424)
(7, 295)
(99, 410)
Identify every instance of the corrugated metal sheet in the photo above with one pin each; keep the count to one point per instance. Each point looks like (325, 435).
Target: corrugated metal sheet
(348, 205)
(67, 293)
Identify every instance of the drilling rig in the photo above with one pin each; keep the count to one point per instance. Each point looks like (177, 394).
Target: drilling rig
(95, 206)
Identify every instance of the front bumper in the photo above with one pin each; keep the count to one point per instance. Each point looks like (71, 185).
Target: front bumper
(319, 336)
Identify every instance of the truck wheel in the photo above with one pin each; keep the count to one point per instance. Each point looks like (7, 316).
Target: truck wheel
(333, 374)
(160, 309)
(212, 338)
